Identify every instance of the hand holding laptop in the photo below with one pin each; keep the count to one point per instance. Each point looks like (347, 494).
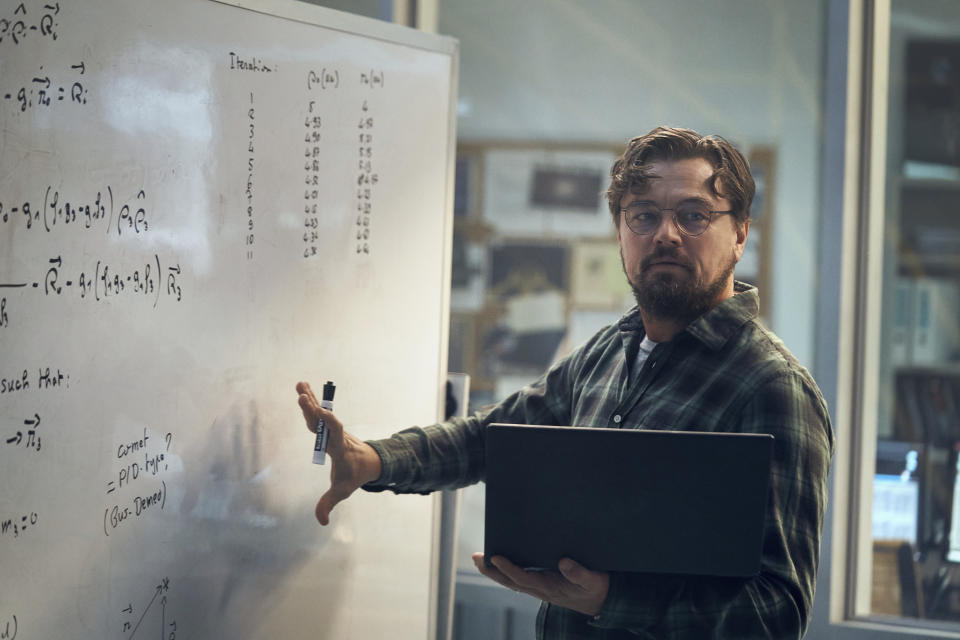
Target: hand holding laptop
(574, 586)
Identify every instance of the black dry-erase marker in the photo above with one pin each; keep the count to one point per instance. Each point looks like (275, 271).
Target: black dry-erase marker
(320, 446)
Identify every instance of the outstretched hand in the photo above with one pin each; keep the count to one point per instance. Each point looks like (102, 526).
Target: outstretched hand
(353, 463)
(574, 586)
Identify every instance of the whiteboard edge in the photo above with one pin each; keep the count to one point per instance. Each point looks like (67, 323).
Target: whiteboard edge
(301, 11)
(445, 281)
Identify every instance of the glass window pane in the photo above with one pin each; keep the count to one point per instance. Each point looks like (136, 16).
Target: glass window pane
(916, 504)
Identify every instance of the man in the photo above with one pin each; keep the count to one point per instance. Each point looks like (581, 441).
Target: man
(692, 353)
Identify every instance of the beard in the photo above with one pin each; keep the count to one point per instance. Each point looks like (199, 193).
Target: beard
(676, 296)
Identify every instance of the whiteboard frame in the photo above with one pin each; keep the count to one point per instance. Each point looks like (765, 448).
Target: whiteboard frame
(302, 11)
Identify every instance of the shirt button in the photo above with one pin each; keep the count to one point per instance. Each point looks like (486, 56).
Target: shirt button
(617, 418)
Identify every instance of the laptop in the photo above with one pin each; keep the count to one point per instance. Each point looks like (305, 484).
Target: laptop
(627, 500)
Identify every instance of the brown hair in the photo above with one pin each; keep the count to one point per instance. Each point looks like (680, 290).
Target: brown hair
(731, 176)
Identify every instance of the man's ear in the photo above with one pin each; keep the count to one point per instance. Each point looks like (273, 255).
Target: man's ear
(742, 231)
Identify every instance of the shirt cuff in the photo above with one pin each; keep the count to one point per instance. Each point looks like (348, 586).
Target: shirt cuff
(395, 470)
(635, 601)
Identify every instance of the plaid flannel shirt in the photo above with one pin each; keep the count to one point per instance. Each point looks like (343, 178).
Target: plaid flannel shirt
(724, 372)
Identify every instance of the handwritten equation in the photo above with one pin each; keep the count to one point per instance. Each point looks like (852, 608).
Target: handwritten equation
(59, 212)
(28, 436)
(150, 463)
(44, 91)
(324, 79)
(373, 79)
(17, 526)
(140, 460)
(152, 280)
(22, 23)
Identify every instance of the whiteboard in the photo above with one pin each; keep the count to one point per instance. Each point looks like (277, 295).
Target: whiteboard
(200, 205)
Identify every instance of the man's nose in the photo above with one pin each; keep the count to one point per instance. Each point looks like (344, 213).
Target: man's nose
(667, 232)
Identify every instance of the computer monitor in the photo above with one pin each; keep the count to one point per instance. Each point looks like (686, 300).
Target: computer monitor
(897, 491)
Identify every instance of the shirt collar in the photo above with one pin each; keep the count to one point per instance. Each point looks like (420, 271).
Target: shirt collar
(716, 326)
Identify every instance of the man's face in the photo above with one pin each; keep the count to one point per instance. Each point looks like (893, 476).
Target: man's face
(674, 275)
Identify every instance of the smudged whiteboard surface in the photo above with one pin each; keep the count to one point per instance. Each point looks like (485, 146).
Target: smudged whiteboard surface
(200, 204)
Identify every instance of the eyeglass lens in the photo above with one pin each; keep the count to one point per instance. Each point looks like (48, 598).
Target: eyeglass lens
(645, 217)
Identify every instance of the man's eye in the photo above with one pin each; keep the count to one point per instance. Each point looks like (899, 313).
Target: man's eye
(693, 215)
(644, 216)
(643, 211)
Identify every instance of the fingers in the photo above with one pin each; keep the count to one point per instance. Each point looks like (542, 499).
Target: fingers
(509, 575)
(324, 507)
(574, 587)
(313, 412)
(591, 587)
(306, 393)
(334, 427)
(309, 405)
(304, 387)
(577, 573)
(493, 573)
(526, 580)
(336, 494)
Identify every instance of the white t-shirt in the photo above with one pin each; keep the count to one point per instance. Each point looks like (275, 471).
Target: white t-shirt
(646, 346)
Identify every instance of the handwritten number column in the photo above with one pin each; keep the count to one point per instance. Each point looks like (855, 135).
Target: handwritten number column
(366, 177)
(251, 117)
(322, 80)
(311, 167)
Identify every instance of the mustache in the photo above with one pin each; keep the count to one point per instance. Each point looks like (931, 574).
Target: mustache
(663, 253)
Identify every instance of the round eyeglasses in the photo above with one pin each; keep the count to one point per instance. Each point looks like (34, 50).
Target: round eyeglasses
(690, 218)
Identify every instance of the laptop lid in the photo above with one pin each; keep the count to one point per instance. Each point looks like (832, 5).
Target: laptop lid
(627, 500)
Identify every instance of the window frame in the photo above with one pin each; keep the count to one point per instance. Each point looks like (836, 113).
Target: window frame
(848, 336)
